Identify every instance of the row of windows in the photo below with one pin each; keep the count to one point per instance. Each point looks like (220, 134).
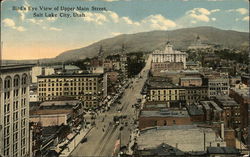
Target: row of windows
(69, 80)
(60, 89)
(7, 81)
(219, 88)
(218, 84)
(164, 92)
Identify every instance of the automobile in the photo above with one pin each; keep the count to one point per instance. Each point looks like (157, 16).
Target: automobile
(84, 139)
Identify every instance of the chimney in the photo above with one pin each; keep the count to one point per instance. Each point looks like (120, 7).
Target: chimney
(222, 131)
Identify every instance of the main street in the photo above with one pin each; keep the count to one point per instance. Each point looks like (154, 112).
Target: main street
(102, 138)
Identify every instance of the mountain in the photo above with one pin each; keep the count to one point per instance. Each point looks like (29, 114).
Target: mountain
(149, 41)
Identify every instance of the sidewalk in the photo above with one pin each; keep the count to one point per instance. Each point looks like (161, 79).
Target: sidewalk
(134, 135)
(74, 143)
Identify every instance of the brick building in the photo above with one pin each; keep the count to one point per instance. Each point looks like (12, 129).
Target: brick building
(165, 117)
(240, 93)
(87, 87)
(231, 111)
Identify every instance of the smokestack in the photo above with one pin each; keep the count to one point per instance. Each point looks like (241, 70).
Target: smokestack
(222, 131)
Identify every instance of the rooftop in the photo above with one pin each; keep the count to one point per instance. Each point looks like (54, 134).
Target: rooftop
(60, 103)
(243, 91)
(50, 112)
(190, 78)
(160, 82)
(195, 110)
(165, 113)
(70, 75)
(222, 150)
(226, 101)
(188, 137)
(210, 104)
(6, 68)
(162, 150)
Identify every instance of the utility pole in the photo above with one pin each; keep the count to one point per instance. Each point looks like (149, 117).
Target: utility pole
(1, 54)
(204, 140)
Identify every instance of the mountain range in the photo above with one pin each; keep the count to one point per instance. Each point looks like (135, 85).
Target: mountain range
(149, 41)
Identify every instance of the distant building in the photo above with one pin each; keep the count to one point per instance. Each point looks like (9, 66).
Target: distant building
(218, 86)
(231, 111)
(196, 113)
(194, 94)
(39, 70)
(190, 81)
(240, 93)
(86, 87)
(161, 89)
(213, 112)
(14, 110)
(198, 44)
(168, 59)
(223, 151)
(166, 117)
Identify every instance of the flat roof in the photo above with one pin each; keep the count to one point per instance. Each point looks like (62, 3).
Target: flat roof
(6, 68)
(243, 91)
(188, 137)
(190, 78)
(50, 112)
(60, 103)
(70, 75)
(165, 113)
(222, 150)
(195, 110)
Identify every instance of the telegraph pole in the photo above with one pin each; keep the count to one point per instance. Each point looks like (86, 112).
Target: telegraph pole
(1, 54)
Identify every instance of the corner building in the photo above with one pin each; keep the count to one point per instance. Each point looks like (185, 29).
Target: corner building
(86, 87)
(14, 110)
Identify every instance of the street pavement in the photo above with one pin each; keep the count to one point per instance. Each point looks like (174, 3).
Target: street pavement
(102, 138)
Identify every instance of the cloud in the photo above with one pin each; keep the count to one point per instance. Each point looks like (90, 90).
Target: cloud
(97, 18)
(215, 10)
(110, 0)
(51, 28)
(242, 11)
(23, 12)
(150, 22)
(35, 21)
(116, 33)
(20, 29)
(215, 0)
(10, 23)
(158, 22)
(55, 29)
(246, 18)
(200, 14)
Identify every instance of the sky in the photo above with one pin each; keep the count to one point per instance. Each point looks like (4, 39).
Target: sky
(25, 35)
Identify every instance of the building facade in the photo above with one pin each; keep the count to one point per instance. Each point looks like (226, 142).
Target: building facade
(168, 55)
(218, 86)
(87, 87)
(14, 110)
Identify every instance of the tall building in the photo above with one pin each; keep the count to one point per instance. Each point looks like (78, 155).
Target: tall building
(14, 110)
(168, 59)
(87, 87)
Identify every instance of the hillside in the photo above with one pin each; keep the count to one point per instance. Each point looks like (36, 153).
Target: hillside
(149, 41)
